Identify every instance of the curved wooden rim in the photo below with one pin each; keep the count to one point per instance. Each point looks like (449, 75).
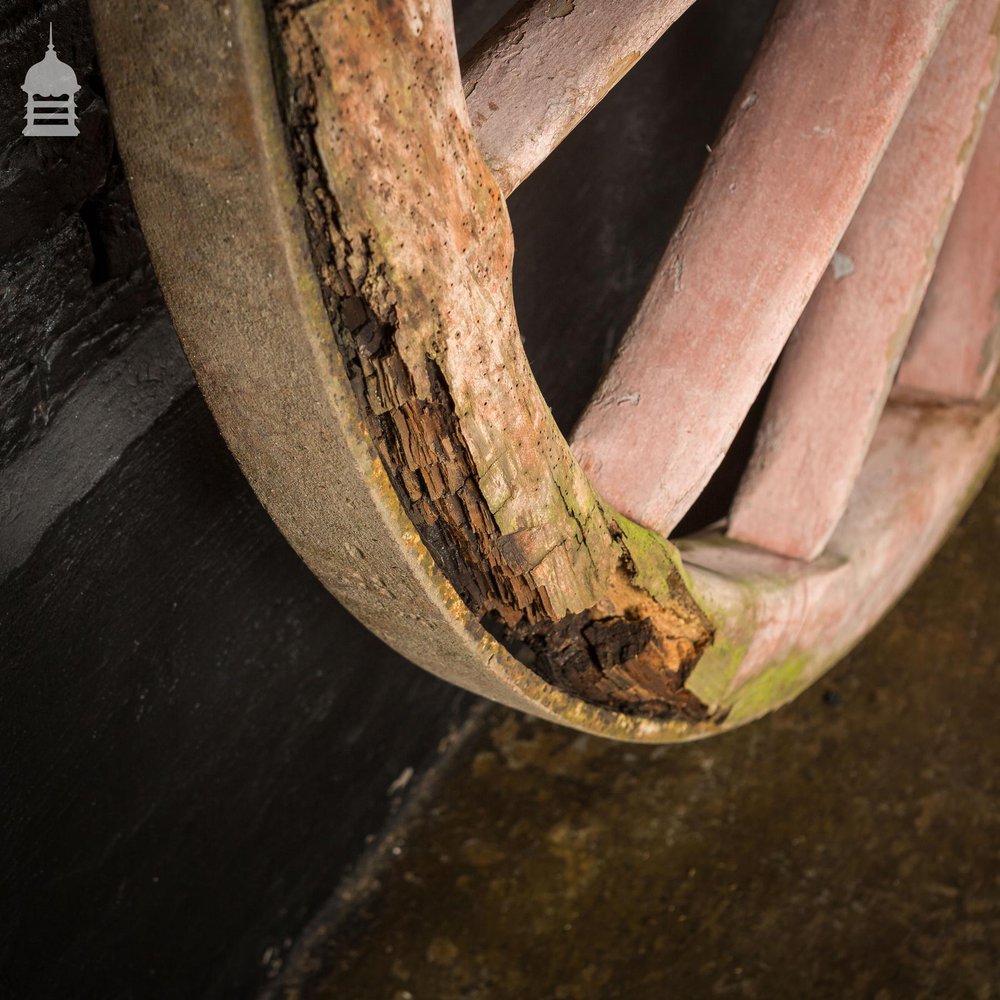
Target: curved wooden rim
(383, 411)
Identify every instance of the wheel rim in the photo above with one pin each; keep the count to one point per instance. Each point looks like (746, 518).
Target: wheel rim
(363, 397)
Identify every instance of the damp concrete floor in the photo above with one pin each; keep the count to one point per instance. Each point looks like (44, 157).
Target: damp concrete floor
(846, 846)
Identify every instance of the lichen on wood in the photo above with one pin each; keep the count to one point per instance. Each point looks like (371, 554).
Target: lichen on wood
(412, 243)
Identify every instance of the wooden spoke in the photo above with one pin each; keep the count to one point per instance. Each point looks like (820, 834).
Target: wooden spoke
(802, 141)
(954, 352)
(545, 66)
(836, 372)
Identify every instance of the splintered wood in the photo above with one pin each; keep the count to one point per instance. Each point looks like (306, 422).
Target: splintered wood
(392, 185)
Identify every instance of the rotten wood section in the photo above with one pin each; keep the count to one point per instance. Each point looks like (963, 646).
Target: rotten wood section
(412, 242)
(801, 143)
(344, 294)
(954, 353)
(838, 367)
(547, 65)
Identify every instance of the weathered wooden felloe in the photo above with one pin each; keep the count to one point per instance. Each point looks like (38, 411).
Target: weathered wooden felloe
(344, 294)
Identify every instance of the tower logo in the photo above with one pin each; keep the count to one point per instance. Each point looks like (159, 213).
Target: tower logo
(51, 88)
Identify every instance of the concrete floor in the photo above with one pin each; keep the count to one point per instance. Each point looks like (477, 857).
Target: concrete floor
(847, 846)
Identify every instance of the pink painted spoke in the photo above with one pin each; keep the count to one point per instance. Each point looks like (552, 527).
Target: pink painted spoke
(955, 349)
(803, 139)
(545, 66)
(837, 370)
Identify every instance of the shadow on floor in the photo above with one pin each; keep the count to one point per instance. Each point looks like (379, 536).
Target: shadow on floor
(846, 846)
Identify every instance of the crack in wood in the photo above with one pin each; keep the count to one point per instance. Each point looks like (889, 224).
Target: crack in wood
(625, 650)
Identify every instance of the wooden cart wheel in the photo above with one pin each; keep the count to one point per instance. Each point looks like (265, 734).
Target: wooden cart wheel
(324, 204)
